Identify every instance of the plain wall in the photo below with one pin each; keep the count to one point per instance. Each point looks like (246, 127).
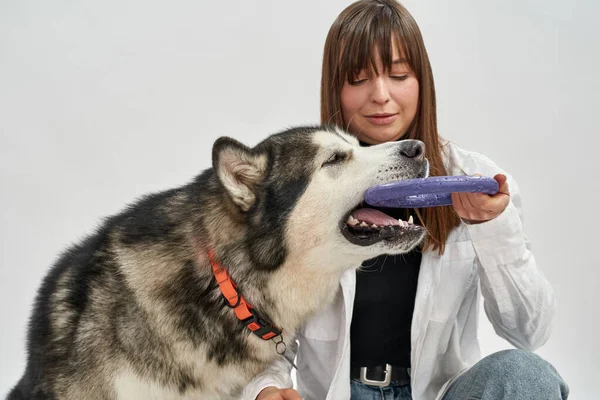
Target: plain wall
(101, 102)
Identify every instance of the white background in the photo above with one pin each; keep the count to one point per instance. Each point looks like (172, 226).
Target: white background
(101, 102)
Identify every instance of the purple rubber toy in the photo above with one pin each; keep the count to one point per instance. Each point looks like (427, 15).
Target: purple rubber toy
(427, 192)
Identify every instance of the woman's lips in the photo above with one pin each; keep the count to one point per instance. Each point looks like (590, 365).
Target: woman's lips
(381, 119)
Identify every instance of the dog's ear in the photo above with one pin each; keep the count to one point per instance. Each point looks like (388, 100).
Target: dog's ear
(239, 169)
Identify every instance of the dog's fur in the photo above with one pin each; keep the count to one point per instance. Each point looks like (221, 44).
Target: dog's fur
(133, 311)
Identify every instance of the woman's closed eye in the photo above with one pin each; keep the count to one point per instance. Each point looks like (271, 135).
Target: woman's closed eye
(361, 80)
(358, 81)
(399, 77)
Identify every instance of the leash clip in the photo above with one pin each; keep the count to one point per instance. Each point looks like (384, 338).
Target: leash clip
(281, 348)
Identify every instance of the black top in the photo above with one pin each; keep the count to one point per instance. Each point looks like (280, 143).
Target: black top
(386, 287)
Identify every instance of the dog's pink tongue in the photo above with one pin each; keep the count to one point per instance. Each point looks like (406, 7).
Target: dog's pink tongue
(372, 216)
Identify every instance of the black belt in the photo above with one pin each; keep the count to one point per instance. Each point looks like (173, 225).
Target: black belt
(380, 375)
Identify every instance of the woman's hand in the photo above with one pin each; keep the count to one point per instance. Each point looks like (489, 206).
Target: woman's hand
(474, 208)
(273, 393)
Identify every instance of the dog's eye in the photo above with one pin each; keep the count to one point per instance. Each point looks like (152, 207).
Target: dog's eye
(336, 158)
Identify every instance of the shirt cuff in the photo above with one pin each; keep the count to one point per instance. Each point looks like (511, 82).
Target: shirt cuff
(501, 240)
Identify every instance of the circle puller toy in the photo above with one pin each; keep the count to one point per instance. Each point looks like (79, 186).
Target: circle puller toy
(427, 192)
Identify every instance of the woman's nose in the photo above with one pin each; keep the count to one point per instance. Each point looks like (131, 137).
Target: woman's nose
(380, 93)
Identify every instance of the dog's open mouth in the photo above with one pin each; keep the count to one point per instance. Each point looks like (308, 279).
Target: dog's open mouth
(367, 226)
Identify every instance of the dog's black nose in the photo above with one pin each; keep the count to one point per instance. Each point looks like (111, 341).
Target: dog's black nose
(412, 149)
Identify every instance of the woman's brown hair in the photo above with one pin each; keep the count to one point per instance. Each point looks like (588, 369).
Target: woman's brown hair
(361, 28)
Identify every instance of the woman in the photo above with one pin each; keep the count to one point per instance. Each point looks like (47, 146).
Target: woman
(413, 319)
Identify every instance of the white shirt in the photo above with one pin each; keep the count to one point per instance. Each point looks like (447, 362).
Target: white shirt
(492, 259)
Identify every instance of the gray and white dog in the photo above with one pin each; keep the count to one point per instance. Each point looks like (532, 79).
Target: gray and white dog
(133, 311)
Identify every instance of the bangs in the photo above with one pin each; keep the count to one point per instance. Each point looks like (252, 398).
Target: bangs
(369, 37)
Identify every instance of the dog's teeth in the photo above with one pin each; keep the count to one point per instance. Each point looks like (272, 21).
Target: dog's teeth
(374, 226)
(352, 221)
(364, 224)
(410, 220)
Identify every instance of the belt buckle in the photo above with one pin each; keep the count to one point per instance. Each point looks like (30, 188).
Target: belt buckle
(385, 382)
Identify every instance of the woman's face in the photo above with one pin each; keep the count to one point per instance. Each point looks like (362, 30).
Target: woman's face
(381, 108)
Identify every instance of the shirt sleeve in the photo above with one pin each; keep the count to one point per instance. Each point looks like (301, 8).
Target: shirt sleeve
(518, 300)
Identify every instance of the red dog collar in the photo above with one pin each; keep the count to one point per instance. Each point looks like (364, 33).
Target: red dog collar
(243, 310)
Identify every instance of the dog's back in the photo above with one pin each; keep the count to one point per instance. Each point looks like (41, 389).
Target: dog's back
(62, 301)
(87, 322)
(71, 333)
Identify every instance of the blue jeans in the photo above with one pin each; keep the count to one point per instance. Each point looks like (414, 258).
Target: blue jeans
(508, 374)
(397, 390)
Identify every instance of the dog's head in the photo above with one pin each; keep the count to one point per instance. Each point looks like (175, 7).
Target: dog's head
(301, 191)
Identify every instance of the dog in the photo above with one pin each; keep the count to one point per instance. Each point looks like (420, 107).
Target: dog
(147, 306)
